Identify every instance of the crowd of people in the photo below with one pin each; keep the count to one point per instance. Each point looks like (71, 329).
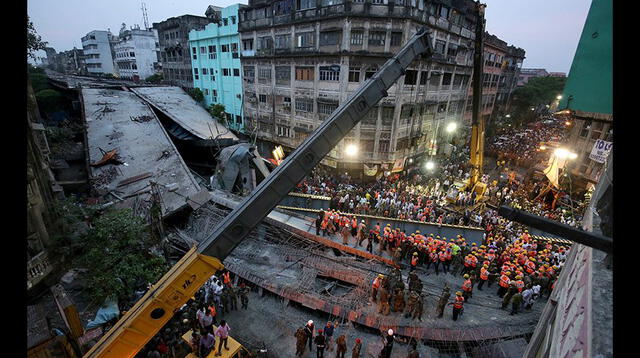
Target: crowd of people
(521, 146)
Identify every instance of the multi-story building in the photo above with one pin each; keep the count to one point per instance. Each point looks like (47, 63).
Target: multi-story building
(73, 61)
(587, 99)
(301, 59)
(173, 36)
(528, 73)
(215, 56)
(509, 80)
(98, 53)
(136, 54)
(557, 74)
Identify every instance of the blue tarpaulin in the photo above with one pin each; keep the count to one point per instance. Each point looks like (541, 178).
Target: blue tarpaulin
(107, 312)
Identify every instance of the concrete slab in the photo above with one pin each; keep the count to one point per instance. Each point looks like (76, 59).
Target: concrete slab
(181, 108)
(143, 146)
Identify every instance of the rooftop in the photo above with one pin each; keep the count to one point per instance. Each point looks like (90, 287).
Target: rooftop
(120, 120)
(184, 110)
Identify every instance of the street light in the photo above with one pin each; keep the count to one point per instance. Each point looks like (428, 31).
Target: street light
(351, 150)
(451, 127)
(508, 116)
(430, 165)
(559, 97)
(563, 153)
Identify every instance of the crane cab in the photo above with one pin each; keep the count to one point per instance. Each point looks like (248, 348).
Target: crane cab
(236, 350)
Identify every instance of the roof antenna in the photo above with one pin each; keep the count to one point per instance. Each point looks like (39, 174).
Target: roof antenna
(145, 19)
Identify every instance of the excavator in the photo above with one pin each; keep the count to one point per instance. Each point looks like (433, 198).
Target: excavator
(138, 326)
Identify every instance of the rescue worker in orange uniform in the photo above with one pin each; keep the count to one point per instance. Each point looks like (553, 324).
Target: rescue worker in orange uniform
(504, 283)
(519, 284)
(467, 287)
(414, 261)
(484, 276)
(375, 286)
(458, 305)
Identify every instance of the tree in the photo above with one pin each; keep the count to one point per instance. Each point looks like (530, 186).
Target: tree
(217, 111)
(50, 100)
(116, 252)
(155, 78)
(538, 91)
(34, 41)
(196, 94)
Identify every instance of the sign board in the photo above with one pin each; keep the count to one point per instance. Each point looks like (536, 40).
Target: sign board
(600, 150)
(398, 165)
(370, 171)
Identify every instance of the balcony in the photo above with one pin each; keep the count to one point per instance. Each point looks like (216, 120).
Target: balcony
(38, 268)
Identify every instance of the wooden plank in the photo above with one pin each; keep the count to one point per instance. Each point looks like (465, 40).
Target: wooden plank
(134, 179)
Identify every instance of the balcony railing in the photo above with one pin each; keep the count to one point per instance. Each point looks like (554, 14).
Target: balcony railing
(38, 268)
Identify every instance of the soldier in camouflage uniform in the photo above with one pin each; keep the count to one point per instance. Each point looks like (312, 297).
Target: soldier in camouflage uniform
(233, 298)
(510, 292)
(444, 299)
(397, 256)
(301, 341)
(411, 304)
(398, 301)
(244, 295)
(418, 308)
(415, 284)
(383, 305)
(224, 300)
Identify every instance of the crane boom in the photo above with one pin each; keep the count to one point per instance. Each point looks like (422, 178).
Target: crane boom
(174, 289)
(476, 155)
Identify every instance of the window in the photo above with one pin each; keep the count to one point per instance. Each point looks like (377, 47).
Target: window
(452, 50)
(264, 73)
(357, 37)
(224, 48)
(215, 93)
(283, 41)
(444, 12)
(206, 91)
(305, 39)
(247, 44)
(410, 77)
(434, 81)
(282, 7)
(304, 105)
(233, 20)
(383, 146)
(234, 47)
(304, 73)
(354, 74)
(225, 21)
(376, 38)
(460, 80)
(226, 72)
(306, 4)
(283, 75)
(376, 1)
(194, 52)
(424, 76)
(132, 54)
(326, 108)
(262, 98)
(330, 38)
(238, 118)
(236, 72)
(195, 73)
(446, 79)
(330, 73)
(212, 49)
(203, 50)
(396, 38)
(585, 130)
(371, 118)
(370, 72)
(442, 107)
(265, 42)
(249, 74)
(439, 47)
(204, 71)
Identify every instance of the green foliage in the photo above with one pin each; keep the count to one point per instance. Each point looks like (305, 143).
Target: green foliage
(196, 94)
(156, 78)
(69, 216)
(34, 41)
(217, 111)
(538, 91)
(50, 100)
(116, 253)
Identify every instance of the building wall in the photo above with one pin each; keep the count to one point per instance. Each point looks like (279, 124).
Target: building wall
(583, 136)
(173, 36)
(293, 83)
(97, 52)
(215, 59)
(137, 54)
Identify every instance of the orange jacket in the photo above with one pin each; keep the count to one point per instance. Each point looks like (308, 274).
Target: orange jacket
(504, 281)
(458, 302)
(484, 274)
(467, 286)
